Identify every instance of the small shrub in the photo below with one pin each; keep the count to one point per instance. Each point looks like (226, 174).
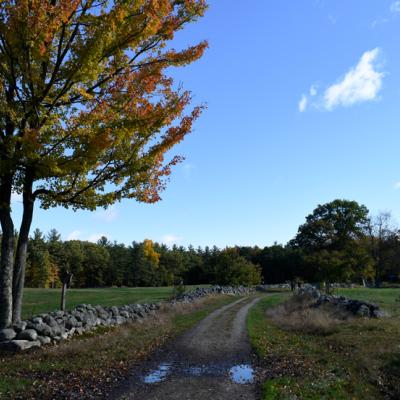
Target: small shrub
(179, 290)
(296, 314)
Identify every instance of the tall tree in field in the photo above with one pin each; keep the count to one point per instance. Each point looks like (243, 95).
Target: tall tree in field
(87, 111)
(332, 226)
(332, 238)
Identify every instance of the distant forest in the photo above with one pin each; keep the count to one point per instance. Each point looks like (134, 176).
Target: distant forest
(339, 242)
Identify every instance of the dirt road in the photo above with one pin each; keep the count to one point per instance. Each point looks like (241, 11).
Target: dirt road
(212, 361)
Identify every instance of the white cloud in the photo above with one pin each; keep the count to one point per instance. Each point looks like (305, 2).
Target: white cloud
(170, 239)
(108, 215)
(397, 185)
(395, 7)
(74, 235)
(362, 83)
(303, 103)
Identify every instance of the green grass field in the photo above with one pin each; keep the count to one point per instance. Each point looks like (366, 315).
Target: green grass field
(388, 299)
(357, 359)
(37, 301)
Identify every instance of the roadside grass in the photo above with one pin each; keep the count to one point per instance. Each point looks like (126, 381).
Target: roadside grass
(37, 301)
(358, 359)
(93, 363)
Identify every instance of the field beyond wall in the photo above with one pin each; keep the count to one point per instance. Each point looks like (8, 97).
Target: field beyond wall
(37, 301)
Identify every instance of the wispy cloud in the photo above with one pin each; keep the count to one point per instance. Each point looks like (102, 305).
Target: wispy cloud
(188, 169)
(379, 21)
(395, 7)
(171, 239)
(303, 103)
(79, 235)
(108, 215)
(94, 237)
(396, 185)
(360, 84)
(305, 98)
(394, 12)
(74, 235)
(332, 19)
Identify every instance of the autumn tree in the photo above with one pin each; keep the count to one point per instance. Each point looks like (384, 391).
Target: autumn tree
(87, 111)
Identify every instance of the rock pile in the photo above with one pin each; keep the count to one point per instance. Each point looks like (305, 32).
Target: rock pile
(60, 325)
(356, 307)
(198, 293)
(266, 288)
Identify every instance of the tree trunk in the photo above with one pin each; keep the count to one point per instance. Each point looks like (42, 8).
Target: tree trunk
(21, 252)
(364, 283)
(66, 279)
(7, 253)
(63, 295)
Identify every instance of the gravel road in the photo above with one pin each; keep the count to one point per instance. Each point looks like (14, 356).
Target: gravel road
(212, 361)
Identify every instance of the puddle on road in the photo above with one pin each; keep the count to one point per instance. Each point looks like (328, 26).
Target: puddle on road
(241, 374)
(158, 375)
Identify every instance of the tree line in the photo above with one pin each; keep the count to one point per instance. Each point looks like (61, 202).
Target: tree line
(52, 262)
(338, 242)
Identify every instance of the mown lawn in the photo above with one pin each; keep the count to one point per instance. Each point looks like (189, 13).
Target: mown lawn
(37, 301)
(388, 299)
(358, 359)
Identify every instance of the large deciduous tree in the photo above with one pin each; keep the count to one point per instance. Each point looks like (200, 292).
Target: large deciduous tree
(87, 111)
(332, 239)
(332, 226)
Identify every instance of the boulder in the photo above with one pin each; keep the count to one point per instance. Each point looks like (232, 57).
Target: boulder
(363, 311)
(379, 313)
(27, 334)
(71, 322)
(7, 334)
(15, 346)
(43, 329)
(44, 340)
(19, 326)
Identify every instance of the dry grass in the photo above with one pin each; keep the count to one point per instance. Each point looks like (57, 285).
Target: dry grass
(104, 340)
(92, 363)
(296, 314)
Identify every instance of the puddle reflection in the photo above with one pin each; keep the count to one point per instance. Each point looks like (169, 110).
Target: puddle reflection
(242, 373)
(159, 374)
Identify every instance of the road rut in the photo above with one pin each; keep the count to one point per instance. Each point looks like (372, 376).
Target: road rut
(207, 362)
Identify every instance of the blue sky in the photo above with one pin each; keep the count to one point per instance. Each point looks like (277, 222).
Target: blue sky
(303, 107)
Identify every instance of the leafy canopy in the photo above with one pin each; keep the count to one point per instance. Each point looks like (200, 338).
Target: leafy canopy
(332, 226)
(87, 110)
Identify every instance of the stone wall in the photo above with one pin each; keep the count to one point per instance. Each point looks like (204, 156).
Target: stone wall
(355, 307)
(55, 326)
